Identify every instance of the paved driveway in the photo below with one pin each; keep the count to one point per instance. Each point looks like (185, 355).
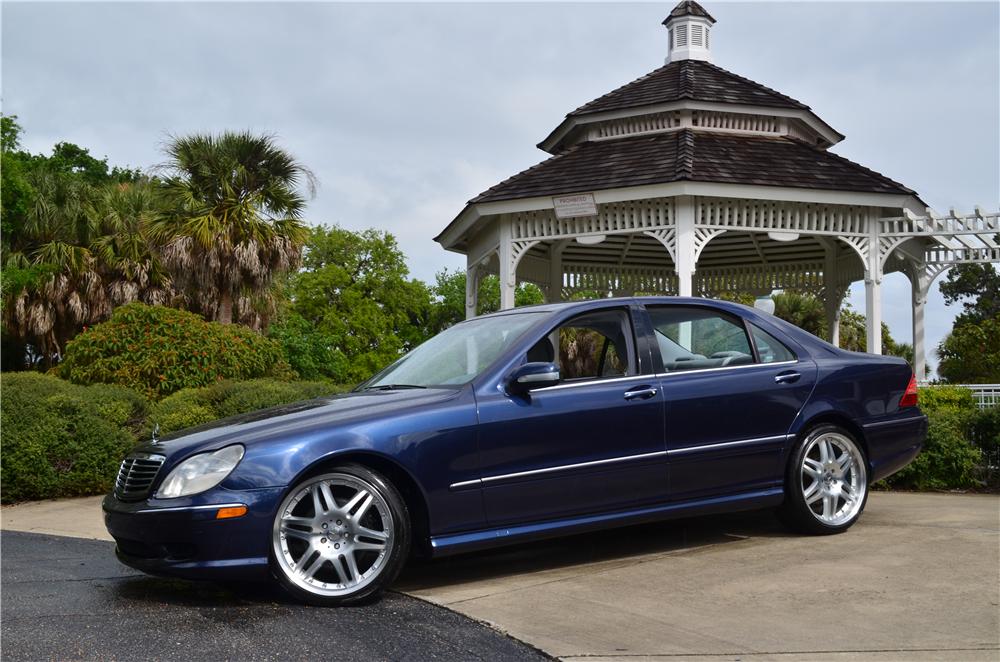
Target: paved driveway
(918, 578)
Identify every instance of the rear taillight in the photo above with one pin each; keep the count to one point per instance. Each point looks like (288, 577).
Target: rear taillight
(910, 397)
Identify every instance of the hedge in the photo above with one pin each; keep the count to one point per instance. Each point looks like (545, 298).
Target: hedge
(158, 350)
(61, 439)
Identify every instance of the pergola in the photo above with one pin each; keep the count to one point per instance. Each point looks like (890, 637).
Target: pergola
(692, 180)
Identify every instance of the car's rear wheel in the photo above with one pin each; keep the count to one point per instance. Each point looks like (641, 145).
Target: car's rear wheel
(341, 537)
(826, 484)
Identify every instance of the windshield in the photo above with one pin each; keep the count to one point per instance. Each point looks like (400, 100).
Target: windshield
(455, 356)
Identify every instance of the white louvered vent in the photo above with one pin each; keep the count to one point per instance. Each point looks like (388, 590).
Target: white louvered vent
(736, 121)
(681, 36)
(634, 125)
(697, 32)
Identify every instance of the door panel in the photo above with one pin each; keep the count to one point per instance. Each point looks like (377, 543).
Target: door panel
(727, 413)
(593, 443)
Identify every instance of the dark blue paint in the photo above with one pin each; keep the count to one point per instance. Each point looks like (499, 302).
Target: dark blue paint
(442, 442)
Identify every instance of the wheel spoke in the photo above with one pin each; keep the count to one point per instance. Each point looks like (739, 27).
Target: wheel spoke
(848, 492)
(829, 505)
(825, 451)
(338, 565)
(812, 492)
(317, 501)
(295, 533)
(364, 499)
(331, 503)
(372, 533)
(313, 567)
(352, 565)
(845, 462)
(298, 521)
(812, 467)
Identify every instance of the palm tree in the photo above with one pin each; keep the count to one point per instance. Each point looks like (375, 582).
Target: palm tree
(235, 223)
(803, 310)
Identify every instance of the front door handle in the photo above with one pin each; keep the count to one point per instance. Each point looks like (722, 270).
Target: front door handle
(787, 378)
(642, 393)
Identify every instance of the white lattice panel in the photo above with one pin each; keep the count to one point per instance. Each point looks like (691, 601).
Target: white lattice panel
(612, 218)
(709, 119)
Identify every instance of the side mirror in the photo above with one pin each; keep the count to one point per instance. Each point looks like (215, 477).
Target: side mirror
(531, 376)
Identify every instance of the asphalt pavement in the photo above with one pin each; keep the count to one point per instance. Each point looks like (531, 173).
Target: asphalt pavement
(69, 599)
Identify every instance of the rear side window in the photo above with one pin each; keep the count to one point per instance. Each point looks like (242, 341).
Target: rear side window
(699, 338)
(769, 348)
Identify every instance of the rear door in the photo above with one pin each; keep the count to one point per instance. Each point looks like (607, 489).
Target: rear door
(731, 392)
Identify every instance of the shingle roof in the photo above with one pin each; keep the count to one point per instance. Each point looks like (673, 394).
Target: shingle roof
(689, 79)
(690, 155)
(688, 8)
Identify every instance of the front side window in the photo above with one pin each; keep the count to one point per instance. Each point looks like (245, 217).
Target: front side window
(769, 348)
(698, 338)
(458, 354)
(591, 346)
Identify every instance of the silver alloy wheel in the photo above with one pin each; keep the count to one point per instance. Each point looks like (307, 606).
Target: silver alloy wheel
(834, 479)
(333, 535)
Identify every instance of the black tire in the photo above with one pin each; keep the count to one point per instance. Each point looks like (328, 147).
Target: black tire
(803, 517)
(389, 511)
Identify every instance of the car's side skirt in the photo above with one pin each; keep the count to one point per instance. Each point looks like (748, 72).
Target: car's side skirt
(509, 535)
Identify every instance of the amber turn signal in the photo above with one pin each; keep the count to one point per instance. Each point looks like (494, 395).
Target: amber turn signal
(228, 513)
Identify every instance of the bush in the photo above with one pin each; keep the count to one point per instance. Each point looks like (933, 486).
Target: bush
(194, 406)
(949, 459)
(62, 440)
(157, 350)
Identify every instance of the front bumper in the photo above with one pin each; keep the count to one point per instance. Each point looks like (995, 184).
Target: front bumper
(183, 538)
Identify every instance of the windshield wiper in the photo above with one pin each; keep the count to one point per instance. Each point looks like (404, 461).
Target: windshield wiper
(391, 387)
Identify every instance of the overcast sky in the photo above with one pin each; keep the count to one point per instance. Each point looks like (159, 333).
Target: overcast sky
(405, 111)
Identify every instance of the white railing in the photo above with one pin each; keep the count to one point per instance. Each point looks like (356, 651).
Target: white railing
(985, 395)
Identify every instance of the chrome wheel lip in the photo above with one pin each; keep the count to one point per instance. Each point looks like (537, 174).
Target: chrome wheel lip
(833, 478)
(323, 540)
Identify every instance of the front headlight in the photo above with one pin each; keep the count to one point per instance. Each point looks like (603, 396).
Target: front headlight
(200, 472)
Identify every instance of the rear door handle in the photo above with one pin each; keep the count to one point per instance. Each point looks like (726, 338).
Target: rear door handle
(787, 378)
(642, 393)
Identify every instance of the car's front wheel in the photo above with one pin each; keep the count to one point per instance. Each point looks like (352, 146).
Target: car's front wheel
(340, 537)
(826, 485)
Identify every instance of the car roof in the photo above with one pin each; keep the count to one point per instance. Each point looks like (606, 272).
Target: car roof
(611, 302)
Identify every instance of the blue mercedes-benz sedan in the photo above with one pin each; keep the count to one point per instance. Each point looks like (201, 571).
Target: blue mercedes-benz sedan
(524, 424)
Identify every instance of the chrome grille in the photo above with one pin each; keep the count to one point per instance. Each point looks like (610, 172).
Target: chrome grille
(136, 475)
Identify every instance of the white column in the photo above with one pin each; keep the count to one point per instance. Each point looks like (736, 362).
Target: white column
(555, 272)
(684, 258)
(508, 278)
(920, 285)
(471, 291)
(832, 296)
(873, 289)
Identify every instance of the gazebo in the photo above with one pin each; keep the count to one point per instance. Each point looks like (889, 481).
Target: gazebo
(692, 180)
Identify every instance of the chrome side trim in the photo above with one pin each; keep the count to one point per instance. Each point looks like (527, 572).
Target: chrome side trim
(562, 467)
(592, 382)
(898, 421)
(178, 509)
(728, 367)
(728, 444)
(478, 482)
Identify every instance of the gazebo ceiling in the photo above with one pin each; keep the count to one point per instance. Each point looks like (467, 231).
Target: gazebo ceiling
(696, 155)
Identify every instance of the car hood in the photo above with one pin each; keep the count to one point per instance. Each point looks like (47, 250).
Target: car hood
(296, 418)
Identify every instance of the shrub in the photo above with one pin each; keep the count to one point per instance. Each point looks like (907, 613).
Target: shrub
(194, 406)
(62, 440)
(948, 459)
(157, 350)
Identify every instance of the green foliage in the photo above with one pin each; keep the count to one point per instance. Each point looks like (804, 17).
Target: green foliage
(977, 286)
(803, 310)
(970, 354)
(354, 302)
(62, 440)
(157, 350)
(948, 459)
(449, 295)
(194, 406)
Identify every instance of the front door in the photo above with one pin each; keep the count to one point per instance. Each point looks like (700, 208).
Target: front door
(592, 443)
(731, 393)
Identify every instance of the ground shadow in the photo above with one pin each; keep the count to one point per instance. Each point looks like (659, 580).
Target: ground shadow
(675, 536)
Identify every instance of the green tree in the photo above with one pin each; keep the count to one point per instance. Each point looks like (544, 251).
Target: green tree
(977, 286)
(354, 308)
(803, 310)
(449, 294)
(970, 354)
(235, 222)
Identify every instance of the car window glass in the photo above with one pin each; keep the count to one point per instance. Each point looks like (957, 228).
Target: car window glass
(769, 348)
(591, 346)
(698, 338)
